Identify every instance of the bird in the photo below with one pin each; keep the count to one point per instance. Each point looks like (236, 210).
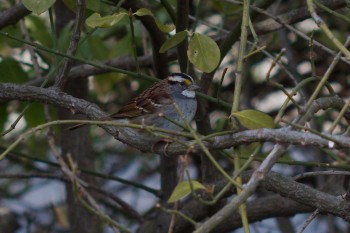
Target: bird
(154, 103)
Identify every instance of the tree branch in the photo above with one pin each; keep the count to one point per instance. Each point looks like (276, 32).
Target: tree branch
(326, 203)
(182, 11)
(297, 198)
(12, 15)
(157, 37)
(282, 135)
(292, 17)
(62, 77)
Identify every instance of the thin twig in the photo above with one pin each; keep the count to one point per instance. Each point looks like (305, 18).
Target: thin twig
(61, 78)
(183, 167)
(321, 173)
(275, 84)
(328, 137)
(330, 11)
(178, 213)
(342, 112)
(323, 26)
(325, 77)
(88, 172)
(169, 9)
(309, 220)
(204, 148)
(236, 103)
(297, 32)
(133, 41)
(111, 123)
(248, 189)
(100, 65)
(70, 169)
(294, 91)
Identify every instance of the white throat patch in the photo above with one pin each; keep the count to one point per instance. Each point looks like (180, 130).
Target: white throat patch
(188, 93)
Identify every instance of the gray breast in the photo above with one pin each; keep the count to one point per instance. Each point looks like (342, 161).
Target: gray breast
(187, 106)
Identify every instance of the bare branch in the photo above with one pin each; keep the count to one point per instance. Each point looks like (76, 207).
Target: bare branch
(61, 78)
(283, 135)
(12, 15)
(291, 17)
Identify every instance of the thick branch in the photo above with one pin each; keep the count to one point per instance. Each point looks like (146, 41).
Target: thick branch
(264, 208)
(304, 194)
(182, 11)
(283, 135)
(299, 198)
(12, 15)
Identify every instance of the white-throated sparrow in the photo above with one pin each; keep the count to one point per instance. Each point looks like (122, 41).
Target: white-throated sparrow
(158, 100)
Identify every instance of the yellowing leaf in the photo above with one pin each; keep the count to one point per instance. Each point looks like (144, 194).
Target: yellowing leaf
(143, 12)
(95, 20)
(253, 119)
(173, 41)
(183, 189)
(163, 27)
(203, 53)
(38, 6)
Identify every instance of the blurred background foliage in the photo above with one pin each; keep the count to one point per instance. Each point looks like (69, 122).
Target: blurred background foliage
(111, 90)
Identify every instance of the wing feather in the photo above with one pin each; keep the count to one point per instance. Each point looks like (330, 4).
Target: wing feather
(147, 103)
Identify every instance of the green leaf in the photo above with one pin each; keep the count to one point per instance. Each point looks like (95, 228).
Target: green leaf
(65, 36)
(38, 6)
(173, 41)
(104, 83)
(98, 48)
(143, 12)
(183, 189)
(95, 20)
(163, 27)
(227, 8)
(123, 47)
(253, 119)
(203, 52)
(34, 115)
(12, 30)
(93, 5)
(38, 30)
(11, 71)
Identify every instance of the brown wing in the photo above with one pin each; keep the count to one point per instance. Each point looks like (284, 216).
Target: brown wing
(146, 103)
(141, 105)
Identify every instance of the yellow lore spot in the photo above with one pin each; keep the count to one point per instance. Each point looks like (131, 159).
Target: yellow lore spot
(188, 82)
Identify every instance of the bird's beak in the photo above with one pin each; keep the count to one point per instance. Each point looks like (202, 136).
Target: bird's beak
(194, 87)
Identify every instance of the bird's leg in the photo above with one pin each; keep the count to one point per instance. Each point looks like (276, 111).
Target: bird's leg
(167, 142)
